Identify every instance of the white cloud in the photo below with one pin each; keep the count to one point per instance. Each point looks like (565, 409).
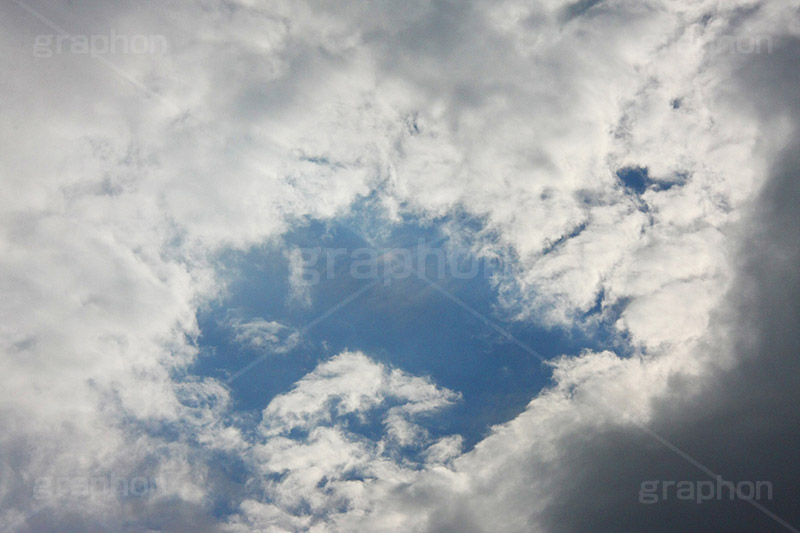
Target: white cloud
(313, 462)
(299, 284)
(263, 334)
(350, 383)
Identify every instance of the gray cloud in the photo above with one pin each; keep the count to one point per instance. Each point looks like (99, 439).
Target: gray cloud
(740, 422)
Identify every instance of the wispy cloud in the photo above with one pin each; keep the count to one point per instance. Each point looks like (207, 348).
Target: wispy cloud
(260, 334)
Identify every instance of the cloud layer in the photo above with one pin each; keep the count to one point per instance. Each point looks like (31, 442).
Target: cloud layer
(635, 162)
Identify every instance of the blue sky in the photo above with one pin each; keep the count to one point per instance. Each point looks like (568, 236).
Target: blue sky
(403, 322)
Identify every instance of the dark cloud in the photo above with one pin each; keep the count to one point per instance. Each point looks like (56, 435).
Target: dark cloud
(744, 423)
(173, 515)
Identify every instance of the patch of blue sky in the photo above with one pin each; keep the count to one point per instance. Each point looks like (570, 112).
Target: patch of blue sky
(401, 321)
(637, 180)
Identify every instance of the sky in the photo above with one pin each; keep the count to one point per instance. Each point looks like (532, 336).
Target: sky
(377, 266)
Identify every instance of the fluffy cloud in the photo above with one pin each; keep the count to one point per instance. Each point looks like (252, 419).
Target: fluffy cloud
(319, 462)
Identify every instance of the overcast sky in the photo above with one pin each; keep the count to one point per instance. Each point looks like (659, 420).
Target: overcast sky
(444, 266)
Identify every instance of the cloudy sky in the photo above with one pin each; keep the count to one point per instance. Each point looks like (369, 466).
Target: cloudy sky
(443, 266)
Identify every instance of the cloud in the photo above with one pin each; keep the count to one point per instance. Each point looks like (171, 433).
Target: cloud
(117, 199)
(351, 384)
(318, 458)
(735, 419)
(300, 287)
(261, 334)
